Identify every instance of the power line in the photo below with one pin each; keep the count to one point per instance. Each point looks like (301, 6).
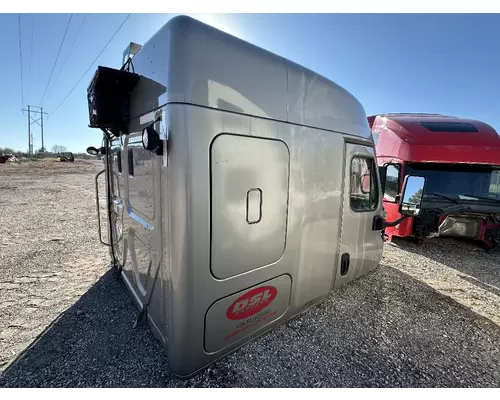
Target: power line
(93, 62)
(57, 57)
(31, 52)
(21, 58)
(69, 53)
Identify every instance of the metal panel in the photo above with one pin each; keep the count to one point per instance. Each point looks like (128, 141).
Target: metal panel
(233, 318)
(137, 201)
(140, 255)
(312, 233)
(316, 101)
(189, 62)
(307, 164)
(249, 203)
(363, 244)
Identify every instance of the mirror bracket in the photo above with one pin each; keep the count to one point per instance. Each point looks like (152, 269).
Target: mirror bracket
(396, 222)
(379, 223)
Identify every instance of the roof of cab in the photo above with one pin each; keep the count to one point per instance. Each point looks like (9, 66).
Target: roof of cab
(435, 138)
(187, 61)
(436, 129)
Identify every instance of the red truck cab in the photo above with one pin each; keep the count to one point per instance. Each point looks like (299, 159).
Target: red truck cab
(460, 161)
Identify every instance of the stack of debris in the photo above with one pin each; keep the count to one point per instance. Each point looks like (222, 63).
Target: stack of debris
(63, 157)
(13, 158)
(4, 158)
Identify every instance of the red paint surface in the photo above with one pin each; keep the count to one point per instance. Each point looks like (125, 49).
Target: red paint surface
(251, 302)
(405, 227)
(402, 139)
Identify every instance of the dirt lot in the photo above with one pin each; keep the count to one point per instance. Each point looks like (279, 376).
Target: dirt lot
(429, 316)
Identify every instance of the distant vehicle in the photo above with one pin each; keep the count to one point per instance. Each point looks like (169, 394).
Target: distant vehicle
(66, 157)
(241, 187)
(460, 159)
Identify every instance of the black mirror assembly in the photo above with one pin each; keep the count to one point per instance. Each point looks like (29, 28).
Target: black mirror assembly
(410, 200)
(412, 194)
(93, 151)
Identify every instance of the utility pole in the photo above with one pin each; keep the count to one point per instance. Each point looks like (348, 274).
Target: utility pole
(41, 126)
(32, 120)
(29, 133)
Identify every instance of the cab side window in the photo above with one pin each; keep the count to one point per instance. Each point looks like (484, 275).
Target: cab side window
(364, 189)
(495, 182)
(392, 180)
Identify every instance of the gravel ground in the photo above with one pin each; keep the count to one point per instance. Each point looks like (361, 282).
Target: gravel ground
(428, 316)
(49, 254)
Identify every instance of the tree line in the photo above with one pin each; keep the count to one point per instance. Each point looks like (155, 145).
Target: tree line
(42, 152)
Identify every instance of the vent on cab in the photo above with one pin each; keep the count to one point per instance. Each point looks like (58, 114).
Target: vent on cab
(449, 127)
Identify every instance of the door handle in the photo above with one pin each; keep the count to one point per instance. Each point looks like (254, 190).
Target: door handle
(344, 264)
(254, 206)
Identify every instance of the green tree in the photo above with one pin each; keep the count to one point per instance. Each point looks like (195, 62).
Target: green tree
(416, 198)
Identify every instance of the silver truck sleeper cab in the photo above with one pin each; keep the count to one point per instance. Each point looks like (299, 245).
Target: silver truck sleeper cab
(242, 188)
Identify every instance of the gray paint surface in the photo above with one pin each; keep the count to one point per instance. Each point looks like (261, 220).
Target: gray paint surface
(252, 190)
(249, 178)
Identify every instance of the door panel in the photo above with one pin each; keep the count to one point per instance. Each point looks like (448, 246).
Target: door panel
(135, 212)
(361, 246)
(249, 203)
(116, 208)
(142, 201)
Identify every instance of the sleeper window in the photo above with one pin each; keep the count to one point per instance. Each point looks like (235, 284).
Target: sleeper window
(364, 192)
(392, 182)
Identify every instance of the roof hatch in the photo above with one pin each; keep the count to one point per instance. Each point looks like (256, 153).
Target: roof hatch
(462, 127)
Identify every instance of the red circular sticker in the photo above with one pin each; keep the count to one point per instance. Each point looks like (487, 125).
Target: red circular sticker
(251, 302)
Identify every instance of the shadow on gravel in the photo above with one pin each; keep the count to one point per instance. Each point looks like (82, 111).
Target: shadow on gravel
(386, 329)
(93, 343)
(478, 267)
